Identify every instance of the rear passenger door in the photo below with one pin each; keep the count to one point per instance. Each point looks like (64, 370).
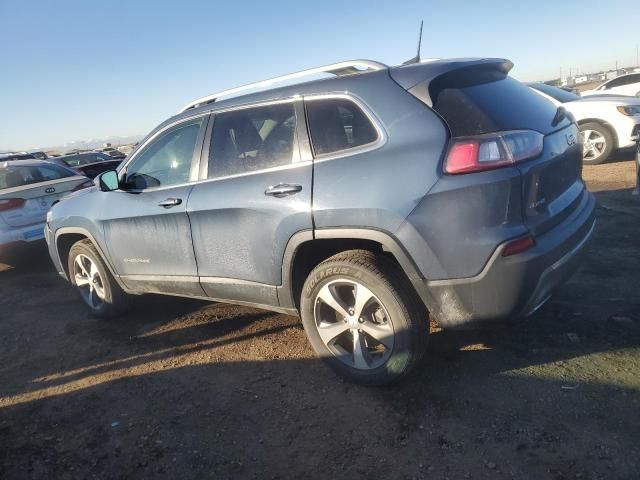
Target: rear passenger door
(254, 195)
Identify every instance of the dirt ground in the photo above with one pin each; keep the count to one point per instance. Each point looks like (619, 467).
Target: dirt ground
(186, 389)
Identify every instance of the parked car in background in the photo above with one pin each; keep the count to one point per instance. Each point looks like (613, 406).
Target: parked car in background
(628, 84)
(28, 188)
(113, 152)
(606, 122)
(364, 203)
(126, 149)
(39, 155)
(89, 164)
(16, 156)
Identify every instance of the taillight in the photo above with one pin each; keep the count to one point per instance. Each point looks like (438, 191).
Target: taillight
(87, 184)
(518, 246)
(494, 150)
(11, 204)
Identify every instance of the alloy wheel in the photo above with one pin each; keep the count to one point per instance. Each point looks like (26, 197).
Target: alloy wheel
(594, 144)
(353, 324)
(89, 282)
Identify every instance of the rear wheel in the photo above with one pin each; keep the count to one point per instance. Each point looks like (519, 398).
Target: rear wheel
(96, 285)
(597, 143)
(363, 318)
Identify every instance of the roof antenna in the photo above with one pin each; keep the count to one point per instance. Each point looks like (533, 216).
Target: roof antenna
(416, 59)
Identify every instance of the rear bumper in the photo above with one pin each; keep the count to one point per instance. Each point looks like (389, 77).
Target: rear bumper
(31, 233)
(515, 286)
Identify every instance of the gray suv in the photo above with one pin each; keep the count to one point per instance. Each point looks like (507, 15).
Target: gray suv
(364, 202)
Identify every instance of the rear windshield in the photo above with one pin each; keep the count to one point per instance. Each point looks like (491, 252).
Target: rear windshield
(17, 175)
(473, 108)
(86, 159)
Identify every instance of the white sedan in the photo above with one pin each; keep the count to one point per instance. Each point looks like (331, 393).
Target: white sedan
(628, 84)
(606, 122)
(28, 188)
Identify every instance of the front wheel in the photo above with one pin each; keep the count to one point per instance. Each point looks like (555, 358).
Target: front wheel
(597, 143)
(363, 318)
(96, 285)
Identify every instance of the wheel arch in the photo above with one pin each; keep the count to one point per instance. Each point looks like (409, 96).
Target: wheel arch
(66, 237)
(307, 249)
(607, 125)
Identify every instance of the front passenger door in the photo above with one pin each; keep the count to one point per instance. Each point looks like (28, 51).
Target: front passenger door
(147, 230)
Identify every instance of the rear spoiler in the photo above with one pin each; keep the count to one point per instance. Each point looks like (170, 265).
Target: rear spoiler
(418, 79)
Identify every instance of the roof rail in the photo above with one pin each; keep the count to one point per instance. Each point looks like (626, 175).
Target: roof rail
(342, 68)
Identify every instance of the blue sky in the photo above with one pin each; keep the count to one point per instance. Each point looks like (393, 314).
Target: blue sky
(74, 70)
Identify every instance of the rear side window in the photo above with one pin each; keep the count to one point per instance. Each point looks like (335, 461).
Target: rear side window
(491, 105)
(252, 139)
(338, 124)
(18, 176)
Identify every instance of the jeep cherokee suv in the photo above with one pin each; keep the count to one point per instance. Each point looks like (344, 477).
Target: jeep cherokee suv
(363, 202)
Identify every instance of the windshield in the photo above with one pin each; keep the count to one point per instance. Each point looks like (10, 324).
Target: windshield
(557, 93)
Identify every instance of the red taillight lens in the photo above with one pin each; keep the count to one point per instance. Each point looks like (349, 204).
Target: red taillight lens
(518, 246)
(486, 152)
(87, 184)
(11, 204)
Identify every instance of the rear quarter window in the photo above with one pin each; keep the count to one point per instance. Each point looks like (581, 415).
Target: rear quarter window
(338, 124)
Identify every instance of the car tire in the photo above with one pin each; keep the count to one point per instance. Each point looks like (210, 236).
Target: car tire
(95, 284)
(387, 337)
(597, 132)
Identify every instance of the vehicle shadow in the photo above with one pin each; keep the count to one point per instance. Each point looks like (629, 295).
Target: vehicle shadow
(187, 389)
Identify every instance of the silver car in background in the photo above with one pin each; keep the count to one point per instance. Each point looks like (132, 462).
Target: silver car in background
(28, 188)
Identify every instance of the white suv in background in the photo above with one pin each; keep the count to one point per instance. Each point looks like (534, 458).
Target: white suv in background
(628, 84)
(606, 122)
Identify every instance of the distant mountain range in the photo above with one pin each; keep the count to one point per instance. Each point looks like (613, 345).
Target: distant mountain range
(95, 143)
(85, 144)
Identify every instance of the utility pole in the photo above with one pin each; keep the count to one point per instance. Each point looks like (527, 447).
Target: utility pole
(637, 62)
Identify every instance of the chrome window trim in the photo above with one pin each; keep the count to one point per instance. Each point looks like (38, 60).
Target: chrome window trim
(378, 143)
(347, 152)
(255, 172)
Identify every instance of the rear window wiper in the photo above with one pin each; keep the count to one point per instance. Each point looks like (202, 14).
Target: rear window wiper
(560, 115)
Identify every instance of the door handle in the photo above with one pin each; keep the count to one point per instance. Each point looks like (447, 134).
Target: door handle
(283, 189)
(170, 202)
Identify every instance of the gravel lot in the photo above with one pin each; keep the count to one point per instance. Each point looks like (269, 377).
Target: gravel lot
(185, 389)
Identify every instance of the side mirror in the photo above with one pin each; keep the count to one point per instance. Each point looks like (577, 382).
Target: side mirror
(108, 181)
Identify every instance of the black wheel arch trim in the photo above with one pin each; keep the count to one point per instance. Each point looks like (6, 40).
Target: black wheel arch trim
(81, 231)
(388, 242)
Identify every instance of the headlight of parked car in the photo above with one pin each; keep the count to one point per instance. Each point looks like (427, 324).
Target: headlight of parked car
(630, 111)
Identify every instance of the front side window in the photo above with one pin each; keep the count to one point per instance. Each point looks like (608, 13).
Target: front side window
(19, 175)
(252, 139)
(167, 160)
(338, 124)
